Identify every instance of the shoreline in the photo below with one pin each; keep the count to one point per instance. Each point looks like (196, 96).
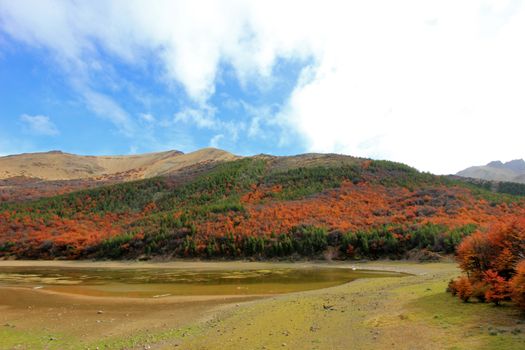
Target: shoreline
(402, 266)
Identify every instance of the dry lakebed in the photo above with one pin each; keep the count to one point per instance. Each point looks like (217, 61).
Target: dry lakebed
(244, 305)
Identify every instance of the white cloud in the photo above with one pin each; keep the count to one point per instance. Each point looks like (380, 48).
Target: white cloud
(203, 117)
(214, 142)
(440, 97)
(147, 117)
(436, 84)
(107, 108)
(39, 125)
(261, 117)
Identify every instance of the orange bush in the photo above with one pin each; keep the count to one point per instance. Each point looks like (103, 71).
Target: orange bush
(491, 261)
(517, 285)
(464, 288)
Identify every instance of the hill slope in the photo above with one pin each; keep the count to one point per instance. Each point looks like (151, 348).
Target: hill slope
(513, 171)
(261, 206)
(56, 165)
(35, 175)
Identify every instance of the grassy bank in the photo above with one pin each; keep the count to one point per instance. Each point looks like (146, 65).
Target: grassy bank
(398, 313)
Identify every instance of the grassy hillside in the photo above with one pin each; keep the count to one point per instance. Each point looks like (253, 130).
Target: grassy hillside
(36, 175)
(263, 206)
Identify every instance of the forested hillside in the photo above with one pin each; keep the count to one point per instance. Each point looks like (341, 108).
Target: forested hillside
(262, 207)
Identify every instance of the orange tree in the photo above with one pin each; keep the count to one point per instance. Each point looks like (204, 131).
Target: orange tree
(493, 261)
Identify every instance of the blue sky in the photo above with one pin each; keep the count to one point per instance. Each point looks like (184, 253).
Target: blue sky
(434, 84)
(41, 110)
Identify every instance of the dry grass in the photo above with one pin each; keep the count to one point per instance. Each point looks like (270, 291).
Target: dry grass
(64, 166)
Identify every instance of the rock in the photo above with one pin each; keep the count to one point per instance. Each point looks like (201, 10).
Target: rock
(100, 312)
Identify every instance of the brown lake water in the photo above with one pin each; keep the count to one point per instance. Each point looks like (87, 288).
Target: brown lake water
(160, 283)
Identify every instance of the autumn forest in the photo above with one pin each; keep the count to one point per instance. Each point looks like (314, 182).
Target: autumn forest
(328, 206)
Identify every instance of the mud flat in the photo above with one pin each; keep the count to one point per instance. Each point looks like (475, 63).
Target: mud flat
(412, 312)
(79, 304)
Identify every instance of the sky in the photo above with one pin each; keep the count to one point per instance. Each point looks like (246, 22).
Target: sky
(438, 85)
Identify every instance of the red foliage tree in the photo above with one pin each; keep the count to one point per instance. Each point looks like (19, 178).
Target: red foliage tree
(475, 254)
(517, 285)
(498, 290)
(491, 261)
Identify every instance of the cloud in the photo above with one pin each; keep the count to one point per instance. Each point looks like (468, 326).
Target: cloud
(389, 86)
(436, 84)
(107, 108)
(214, 142)
(261, 119)
(39, 125)
(203, 117)
(147, 117)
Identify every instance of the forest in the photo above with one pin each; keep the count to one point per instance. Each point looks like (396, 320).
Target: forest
(261, 207)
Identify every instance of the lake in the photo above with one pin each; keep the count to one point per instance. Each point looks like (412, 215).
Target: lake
(165, 282)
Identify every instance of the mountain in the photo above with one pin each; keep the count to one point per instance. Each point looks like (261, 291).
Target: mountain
(310, 205)
(57, 165)
(34, 175)
(513, 171)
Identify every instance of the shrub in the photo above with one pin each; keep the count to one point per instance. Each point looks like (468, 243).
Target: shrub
(479, 290)
(491, 261)
(517, 285)
(464, 288)
(452, 287)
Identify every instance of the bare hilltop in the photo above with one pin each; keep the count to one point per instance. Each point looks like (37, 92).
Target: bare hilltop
(57, 165)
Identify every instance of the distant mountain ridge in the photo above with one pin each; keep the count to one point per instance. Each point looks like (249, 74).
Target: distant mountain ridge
(34, 175)
(57, 165)
(512, 171)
